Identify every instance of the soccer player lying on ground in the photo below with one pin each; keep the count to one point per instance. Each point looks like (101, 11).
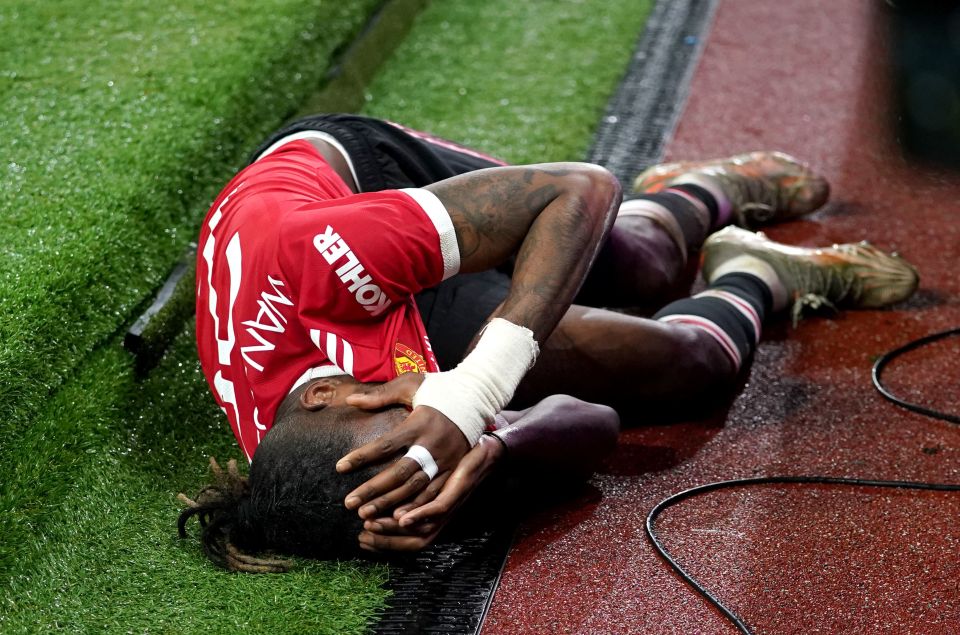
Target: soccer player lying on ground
(354, 251)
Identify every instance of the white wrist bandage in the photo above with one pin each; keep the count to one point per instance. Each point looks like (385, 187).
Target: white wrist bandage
(484, 382)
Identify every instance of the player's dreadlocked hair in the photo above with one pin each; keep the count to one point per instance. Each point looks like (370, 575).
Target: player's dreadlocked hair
(217, 507)
(292, 502)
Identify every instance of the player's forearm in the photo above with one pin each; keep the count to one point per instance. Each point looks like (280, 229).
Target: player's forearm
(560, 435)
(552, 216)
(557, 214)
(556, 254)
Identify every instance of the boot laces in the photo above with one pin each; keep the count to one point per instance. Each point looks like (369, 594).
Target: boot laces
(822, 287)
(755, 199)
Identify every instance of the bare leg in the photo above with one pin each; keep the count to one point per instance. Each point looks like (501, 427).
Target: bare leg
(640, 266)
(627, 362)
(696, 346)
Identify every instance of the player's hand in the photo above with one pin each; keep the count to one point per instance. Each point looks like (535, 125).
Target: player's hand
(385, 533)
(414, 526)
(396, 391)
(403, 479)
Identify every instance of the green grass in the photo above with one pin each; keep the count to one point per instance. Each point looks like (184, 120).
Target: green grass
(98, 550)
(120, 121)
(525, 81)
(91, 221)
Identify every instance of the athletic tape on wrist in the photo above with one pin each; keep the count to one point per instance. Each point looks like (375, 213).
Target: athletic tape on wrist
(484, 382)
(424, 459)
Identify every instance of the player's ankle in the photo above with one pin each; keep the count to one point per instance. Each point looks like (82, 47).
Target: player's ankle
(712, 186)
(767, 274)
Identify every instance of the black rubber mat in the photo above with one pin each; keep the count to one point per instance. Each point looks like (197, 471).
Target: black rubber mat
(449, 587)
(641, 116)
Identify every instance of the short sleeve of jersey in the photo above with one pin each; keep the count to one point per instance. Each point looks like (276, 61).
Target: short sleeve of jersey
(350, 259)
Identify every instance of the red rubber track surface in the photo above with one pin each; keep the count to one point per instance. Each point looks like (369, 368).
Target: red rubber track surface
(810, 78)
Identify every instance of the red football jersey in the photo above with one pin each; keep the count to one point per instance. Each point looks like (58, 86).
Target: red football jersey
(299, 278)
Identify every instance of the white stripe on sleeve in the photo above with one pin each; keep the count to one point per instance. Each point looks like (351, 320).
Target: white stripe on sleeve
(440, 217)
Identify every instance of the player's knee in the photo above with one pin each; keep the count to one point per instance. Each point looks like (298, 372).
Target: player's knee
(590, 427)
(658, 276)
(605, 419)
(699, 358)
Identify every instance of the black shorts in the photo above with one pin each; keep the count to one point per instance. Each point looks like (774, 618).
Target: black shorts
(389, 156)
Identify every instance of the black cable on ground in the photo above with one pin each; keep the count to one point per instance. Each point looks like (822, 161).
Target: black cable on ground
(886, 358)
(818, 480)
(763, 480)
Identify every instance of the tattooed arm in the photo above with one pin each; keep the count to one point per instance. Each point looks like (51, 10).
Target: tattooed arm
(554, 217)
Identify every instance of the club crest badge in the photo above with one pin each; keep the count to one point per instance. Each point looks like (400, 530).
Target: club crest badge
(406, 360)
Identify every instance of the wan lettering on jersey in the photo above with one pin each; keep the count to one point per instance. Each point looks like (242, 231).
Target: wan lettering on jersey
(270, 322)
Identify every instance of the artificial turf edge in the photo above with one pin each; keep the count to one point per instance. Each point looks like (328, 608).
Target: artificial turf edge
(121, 121)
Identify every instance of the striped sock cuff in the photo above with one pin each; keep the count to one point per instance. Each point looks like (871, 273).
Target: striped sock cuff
(731, 311)
(720, 330)
(749, 288)
(700, 197)
(691, 215)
